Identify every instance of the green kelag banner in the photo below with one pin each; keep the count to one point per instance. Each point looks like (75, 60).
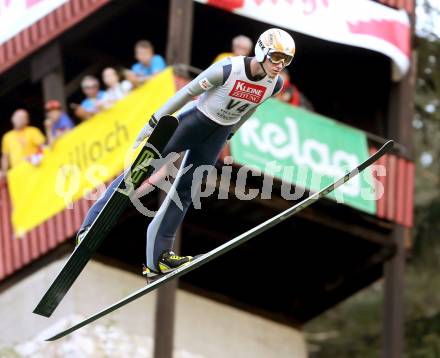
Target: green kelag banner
(305, 149)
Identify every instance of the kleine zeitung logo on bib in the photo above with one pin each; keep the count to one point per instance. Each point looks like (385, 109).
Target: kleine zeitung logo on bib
(248, 91)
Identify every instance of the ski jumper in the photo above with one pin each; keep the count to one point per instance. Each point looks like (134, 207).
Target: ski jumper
(229, 95)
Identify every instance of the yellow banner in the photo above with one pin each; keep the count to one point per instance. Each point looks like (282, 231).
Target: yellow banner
(85, 157)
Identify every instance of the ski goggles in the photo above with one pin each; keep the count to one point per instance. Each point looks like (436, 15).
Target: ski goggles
(278, 57)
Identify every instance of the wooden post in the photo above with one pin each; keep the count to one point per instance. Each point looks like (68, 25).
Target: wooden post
(393, 324)
(180, 25)
(165, 313)
(53, 87)
(47, 66)
(401, 108)
(178, 51)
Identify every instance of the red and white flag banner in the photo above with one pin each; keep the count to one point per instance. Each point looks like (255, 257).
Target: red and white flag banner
(361, 23)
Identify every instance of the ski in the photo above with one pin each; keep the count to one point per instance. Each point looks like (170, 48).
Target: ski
(228, 246)
(140, 170)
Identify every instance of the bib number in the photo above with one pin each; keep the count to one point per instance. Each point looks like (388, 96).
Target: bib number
(237, 106)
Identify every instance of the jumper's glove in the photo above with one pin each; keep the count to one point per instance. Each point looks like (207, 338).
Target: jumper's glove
(145, 132)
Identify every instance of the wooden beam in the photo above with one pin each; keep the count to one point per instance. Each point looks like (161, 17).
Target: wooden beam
(401, 110)
(45, 61)
(165, 314)
(47, 67)
(178, 51)
(53, 87)
(165, 305)
(180, 27)
(400, 113)
(393, 311)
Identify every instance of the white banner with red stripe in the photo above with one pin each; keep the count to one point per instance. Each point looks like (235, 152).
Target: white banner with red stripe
(361, 23)
(16, 15)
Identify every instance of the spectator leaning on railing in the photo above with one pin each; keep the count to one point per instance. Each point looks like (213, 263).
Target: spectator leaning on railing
(57, 122)
(241, 46)
(20, 143)
(116, 88)
(148, 63)
(89, 106)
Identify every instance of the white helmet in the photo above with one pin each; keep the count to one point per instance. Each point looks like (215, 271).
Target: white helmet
(275, 41)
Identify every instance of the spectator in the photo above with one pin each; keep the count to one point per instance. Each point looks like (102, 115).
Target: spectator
(241, 46)
(116, 89)
(21, 142)
(148, 63)
(89, 106)
(57, 122)
(291, 94)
